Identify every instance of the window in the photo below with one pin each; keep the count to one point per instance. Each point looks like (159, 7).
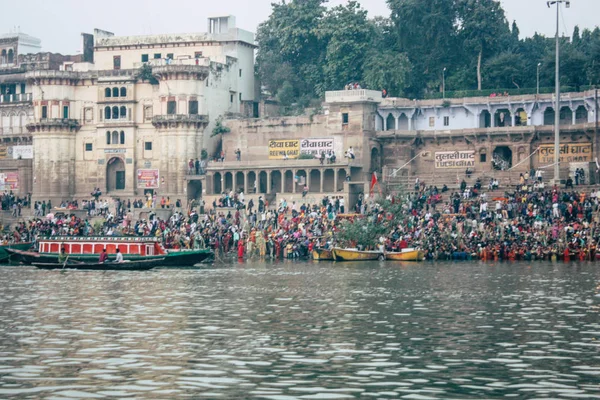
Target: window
(107, 137)
(171, 107)
(345, 118)
(446, 121)
(22, 88)
(193, 107)
(240, 97)
(431, 122)
(115, 137)
(107, 92)
(157, 56)
(147, 113)
(65, 112)
(123, 112)
(11, 56)
(197, 54)
(107, 111)
(44, 111)
(171, 56)
(482, 157)
(115, 112)
(89, 147)
(240, 72)
(122, 137)
(115, 92)
(117, 62)
(123, 92)
(231, 98)
(147, 145)
(144, 58)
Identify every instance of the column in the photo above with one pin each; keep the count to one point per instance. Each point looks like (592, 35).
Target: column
(293, 181)
(493, 119)
(396, 122)
(268, 191)
(574, 116)
(222, 182)
(246, 185)
(308, 182)
(335, 180)
(512, 118)
(322, 171)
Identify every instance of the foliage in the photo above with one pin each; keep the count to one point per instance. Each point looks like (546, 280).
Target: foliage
(145, 74)
(306, 156)
(204, 154)
(219, 128)
(305, 49)
(362, 231)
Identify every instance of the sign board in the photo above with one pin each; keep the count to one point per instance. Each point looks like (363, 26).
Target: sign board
(9, 181)
(147, 178)
(316, 146)
(455, 159)
(569, 152)
(3, 152)
(115, 151)
(22, 152)
(278, 148)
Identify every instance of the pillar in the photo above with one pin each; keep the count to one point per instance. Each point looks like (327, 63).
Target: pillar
(268, 191)
(322, 171)
(294, 181)
(396, 123)
(492, 119)
(246, 185)
(512, 118)
(308, 180)
(335, 179)
(574, 115)
(222, 182)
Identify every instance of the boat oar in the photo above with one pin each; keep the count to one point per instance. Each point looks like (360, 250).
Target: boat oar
(65, 263)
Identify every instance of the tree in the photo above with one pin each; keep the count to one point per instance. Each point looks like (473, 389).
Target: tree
(388, 70)
(504, 71)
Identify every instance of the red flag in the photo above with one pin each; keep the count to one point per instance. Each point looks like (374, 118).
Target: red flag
(373, 183)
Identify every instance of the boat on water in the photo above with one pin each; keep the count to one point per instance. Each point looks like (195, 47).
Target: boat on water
(322, 254)
(6, 256)
(142, 265)
(340, 254)
(406, 255)
(88, 249)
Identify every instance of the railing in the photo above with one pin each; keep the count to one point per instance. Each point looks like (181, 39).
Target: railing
(300, 163)
(161, 62)
(16, 98)
(18, 130)
(117, 121)
(344, 96)
(180, 118)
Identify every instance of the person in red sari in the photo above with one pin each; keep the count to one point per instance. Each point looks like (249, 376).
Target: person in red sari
(240, 249)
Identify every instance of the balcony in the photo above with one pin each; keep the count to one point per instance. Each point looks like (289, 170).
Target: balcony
(15, 98)
(351, 96)
(176, 120)
(54, 124)
(282, 164)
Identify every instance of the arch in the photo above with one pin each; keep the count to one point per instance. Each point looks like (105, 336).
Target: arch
(262, 182)
(390, 123)
(483, 155)
(11, 56)
(315, 181)
(107, 92)
(115, 174)
(276, 182)
(288, 184)
(402, 122)
(115, 112)
(107, 137)
(375, 160)
(123, 112)
(520, 117)
(485, 119)
(217, 188)
(228, 181)
(194, 190)
(115, 92)
(566, 116)
(521, 154)
(341, 179)
(549, 116)
(581, 115)
(3, 57)
(123, 92)
(502, 158)
(328, 181)
(502, 118)
(240, 184)
(300, 180)
(122, 137)
(252, 184)
(115, 137)
(107, 112)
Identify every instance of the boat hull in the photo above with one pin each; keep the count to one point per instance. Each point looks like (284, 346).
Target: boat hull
(411, 255)
(6, 256)
(109, 266)
(355, 255)
(322, 254)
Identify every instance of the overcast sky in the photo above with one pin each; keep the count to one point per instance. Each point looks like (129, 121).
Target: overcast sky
(59, 22)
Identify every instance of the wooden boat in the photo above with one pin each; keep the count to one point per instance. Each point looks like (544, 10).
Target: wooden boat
(88, 249)
(322, 254)
(355, 255)
(6, 256)
(406, 255)
(107, 266)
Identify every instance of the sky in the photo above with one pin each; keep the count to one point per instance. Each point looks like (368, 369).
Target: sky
(59, 23)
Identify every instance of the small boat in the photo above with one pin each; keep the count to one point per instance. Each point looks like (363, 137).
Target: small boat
(322, 254)
(107, 266)
(6, 256)
(356, 255)
(406, 255)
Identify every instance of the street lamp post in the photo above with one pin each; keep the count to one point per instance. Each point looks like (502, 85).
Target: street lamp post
(557, 89)
(444, 83)
(538, 78)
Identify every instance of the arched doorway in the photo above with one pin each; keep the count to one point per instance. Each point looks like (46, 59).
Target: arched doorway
(375, 160)
(341, 179)
(301, 180)
(328, 181)
(502, 118)
(521, 117)
(288, 185)
(115, 174)
(228, 181)
(502, 158)
(549, 116)
(315, 181)
(252, 184)
(276, 182)
(262, 182)
(581, 115)
(402, 122)
(566, 116)
(194, 190)
(485, 119)
(217, 185)
(240, 185)
(390, 123)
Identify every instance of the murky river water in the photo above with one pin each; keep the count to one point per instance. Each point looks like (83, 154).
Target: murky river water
(303, 331)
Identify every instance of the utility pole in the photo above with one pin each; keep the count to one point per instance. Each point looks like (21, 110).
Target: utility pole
(557, 90)
(444, 83)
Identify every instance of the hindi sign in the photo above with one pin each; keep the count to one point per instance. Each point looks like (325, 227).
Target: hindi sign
(455, 159)
(279, 148)
(569, 152)
(9, 181)
(316, 146)
(147, 178)
(22, 152)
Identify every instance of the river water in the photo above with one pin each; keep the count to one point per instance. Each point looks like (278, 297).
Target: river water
(303, 331)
